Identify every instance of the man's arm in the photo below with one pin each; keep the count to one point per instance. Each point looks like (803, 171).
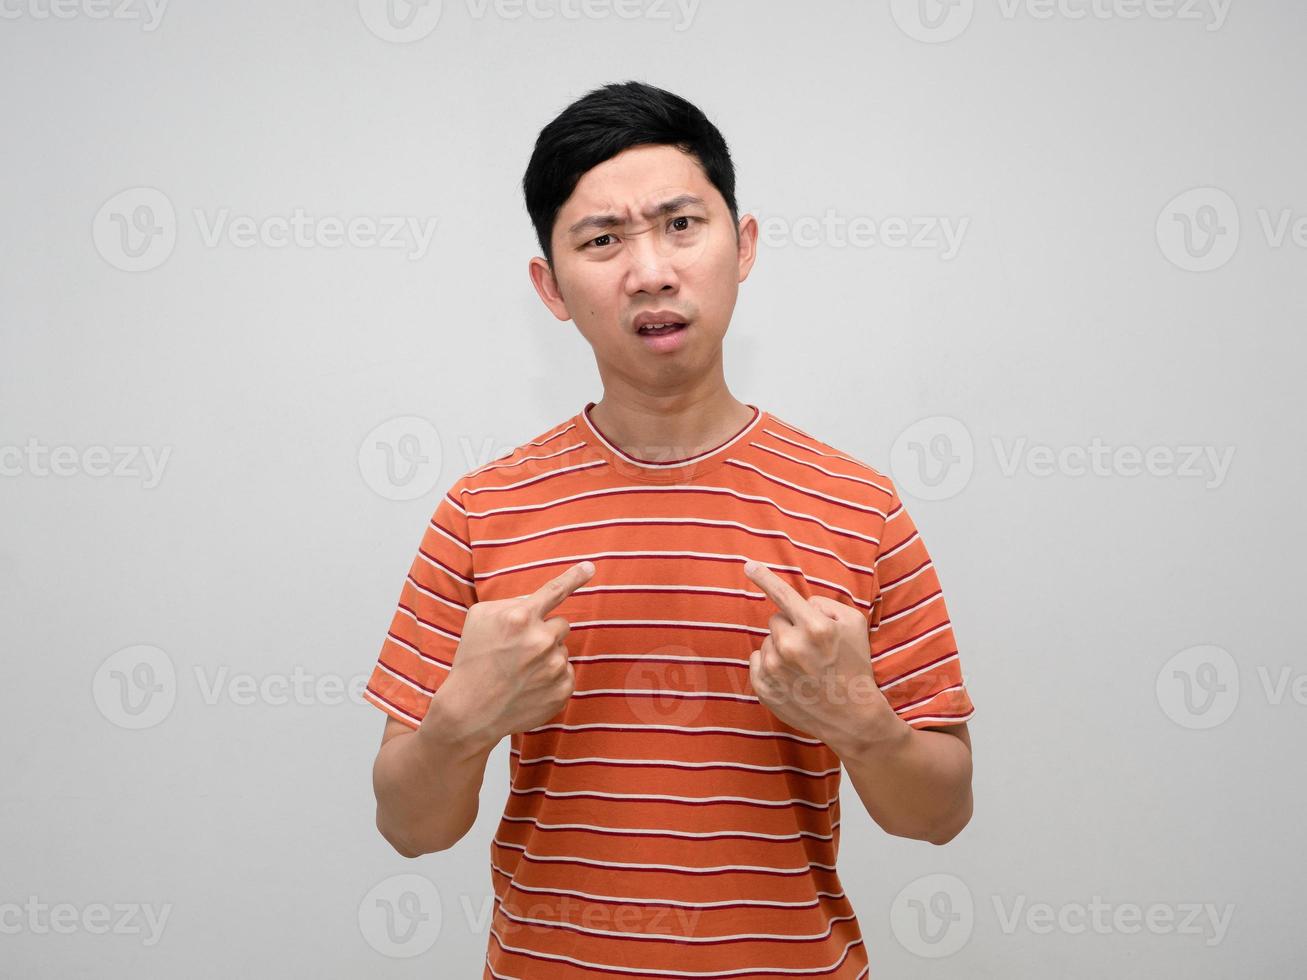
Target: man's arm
(428, 780)
(914, 782)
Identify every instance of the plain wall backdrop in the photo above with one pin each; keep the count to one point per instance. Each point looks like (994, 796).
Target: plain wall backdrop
(263, 270)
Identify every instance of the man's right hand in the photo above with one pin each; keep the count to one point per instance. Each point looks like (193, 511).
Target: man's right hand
(511, 671)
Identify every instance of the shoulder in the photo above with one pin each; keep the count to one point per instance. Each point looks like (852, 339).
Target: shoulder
(544, 450)
(830, 465)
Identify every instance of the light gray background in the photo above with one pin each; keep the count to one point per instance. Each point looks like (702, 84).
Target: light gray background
(1113, 761)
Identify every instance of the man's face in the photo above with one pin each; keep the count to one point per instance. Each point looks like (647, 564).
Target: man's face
(647, 232)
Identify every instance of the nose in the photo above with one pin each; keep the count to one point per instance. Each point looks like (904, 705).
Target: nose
(651, 269)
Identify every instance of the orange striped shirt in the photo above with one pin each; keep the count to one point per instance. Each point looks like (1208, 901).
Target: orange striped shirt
(665, 822)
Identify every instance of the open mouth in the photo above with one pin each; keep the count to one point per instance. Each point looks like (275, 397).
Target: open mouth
(659, 329)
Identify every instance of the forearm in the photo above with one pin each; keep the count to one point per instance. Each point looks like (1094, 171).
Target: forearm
(428, 783)
(915, 783)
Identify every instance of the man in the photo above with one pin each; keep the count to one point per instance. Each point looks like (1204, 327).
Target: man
(685, 613)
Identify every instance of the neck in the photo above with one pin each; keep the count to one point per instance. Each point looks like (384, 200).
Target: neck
(668, 427)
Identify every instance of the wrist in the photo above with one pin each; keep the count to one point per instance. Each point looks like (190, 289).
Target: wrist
(881, 732)
(451, 725)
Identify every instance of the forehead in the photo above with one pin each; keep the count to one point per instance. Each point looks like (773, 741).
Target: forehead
(633, 179)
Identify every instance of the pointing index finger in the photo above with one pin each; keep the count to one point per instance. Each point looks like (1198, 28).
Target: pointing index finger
(778, 590)
(544, 599)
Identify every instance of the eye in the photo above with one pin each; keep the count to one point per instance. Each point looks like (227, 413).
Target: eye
(592, 241)
(686, 218)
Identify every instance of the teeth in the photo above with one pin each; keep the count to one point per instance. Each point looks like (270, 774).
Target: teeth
(655, 326)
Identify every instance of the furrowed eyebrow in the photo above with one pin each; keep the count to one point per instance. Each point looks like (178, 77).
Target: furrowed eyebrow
(670, 206)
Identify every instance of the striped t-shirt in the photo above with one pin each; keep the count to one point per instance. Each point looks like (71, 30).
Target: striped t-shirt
(665, 823)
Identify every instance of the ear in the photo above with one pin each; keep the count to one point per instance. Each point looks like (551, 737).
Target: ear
(546, 286)
(748, 250)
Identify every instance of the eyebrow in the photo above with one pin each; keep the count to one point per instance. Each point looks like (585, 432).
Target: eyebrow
(600, 221)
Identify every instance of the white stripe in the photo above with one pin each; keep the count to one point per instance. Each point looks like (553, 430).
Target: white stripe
(822, 469)
(558, 471)
(854, 505)
(813, 449)
(796, 971)
(705, 835)
(904, 581)
(917, 673)
(913, 642)
(403, 680)
(897, 548)
(674, 937)
(678, 763)
(670, 798)
(427, 626)
(646, 866)
(760, 630)
(389, 709)
(466, 581)
(592, 555)
(722, 730)
(526, 445)
(662, 693)
(921, 704)
(414, 650)
(942, 719)
(913, 608)
(726, 491)
(664, 901)
(437, 596)
(450, 536)
(494, 465)
(659, 657)
(676, 522)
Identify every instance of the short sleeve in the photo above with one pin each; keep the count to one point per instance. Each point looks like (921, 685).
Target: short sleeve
(417, 653)
(914, 655)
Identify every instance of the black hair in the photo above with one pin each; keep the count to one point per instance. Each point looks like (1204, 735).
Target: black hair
(603, 123)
